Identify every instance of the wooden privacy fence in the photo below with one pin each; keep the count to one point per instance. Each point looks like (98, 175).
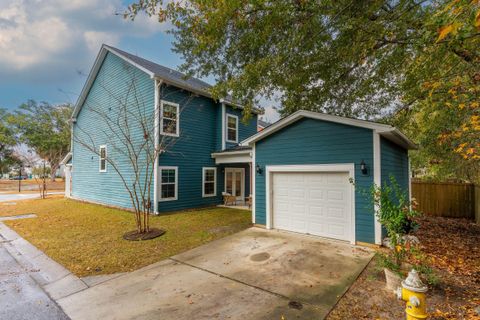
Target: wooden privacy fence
(445, 199)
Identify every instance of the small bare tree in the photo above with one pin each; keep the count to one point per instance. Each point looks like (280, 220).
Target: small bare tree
(134, 144)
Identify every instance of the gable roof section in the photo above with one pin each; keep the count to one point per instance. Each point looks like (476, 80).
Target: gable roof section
(155, 71)
(386, 131)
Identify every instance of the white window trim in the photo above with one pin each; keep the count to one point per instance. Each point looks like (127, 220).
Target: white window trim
(177, 133)
(103, 146)
(226, 128)
(204, 170)
(160, 199)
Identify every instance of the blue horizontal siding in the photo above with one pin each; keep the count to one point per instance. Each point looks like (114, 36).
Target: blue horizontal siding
(245, 130)
(394, 163)
(309, 141)
(112, 85)
(192, 150)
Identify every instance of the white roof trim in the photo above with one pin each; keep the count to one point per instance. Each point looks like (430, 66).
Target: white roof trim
(243, 156)
(98, 63)
(67, 157)
(227, 153)
(385, 130)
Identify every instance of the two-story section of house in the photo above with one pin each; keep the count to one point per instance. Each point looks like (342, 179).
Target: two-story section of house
(202, 160)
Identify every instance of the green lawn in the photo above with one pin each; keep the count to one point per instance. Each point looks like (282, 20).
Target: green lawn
(87, 238)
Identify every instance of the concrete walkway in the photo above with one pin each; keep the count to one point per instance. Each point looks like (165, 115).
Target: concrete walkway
(254, 274)
(22, 196)
(21, 297)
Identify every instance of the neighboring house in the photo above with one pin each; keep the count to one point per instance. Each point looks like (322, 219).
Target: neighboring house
(299, 170)
(262, 125)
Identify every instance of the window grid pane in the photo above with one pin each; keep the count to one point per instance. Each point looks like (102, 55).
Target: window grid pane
(168, 183)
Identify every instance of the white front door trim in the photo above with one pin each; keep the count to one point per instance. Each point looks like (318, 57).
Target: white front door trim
(242, 181)
(343, 167)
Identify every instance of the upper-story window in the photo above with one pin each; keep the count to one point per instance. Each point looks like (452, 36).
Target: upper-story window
(232, 128)
(102, 158)
(169, 118)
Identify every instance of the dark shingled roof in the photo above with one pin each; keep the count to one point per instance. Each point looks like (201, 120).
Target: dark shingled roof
(173, 76)
(263, 124)
(164, 72)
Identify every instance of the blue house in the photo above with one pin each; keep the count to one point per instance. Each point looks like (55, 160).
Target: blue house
(295, 172)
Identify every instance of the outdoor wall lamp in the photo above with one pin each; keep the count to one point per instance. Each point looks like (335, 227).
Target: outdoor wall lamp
(258, 169)
(363, 167)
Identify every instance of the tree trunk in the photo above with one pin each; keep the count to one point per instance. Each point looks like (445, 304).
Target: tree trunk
(53, 172)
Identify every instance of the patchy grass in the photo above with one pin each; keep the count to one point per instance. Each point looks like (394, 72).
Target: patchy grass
(87, 238)
(30, 186)
(452, 249)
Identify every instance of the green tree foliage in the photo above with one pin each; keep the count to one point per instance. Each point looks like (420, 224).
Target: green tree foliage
(412, 62)
(45, 129)
(7, 141)
(339, 56)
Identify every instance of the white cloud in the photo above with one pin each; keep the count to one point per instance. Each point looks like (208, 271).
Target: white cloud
(42, 39)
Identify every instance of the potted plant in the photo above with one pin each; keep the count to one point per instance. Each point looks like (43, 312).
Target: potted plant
(395, 212)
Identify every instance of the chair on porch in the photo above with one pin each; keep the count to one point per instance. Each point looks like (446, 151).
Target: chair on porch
(228, 199)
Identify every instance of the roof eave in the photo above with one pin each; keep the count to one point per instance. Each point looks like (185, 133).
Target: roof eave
(382, 129)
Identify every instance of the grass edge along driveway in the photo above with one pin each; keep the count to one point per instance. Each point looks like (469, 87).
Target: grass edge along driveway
(87, 238)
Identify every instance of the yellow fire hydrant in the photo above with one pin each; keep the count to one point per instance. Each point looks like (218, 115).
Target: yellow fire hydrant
(413, 292)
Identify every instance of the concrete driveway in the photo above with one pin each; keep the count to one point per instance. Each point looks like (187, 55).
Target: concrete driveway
(254, 274)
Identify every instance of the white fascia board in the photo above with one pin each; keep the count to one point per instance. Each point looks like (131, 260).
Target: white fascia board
(67, 157)
(223, 154)
(232, 157)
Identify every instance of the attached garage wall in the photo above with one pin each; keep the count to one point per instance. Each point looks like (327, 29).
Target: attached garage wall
(394, 162)
(310, 141)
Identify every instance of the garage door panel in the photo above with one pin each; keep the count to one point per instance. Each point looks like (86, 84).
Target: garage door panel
(317, 203)
(315, 194)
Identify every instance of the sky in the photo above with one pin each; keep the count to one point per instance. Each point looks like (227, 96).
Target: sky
(47, 47)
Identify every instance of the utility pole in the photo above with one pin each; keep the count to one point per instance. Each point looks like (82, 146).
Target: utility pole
(20, 179)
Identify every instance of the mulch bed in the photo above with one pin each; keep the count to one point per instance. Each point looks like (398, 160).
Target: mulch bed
(151, 234)
(452, 249)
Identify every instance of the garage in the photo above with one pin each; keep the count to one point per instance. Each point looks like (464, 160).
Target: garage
(304, 168)
(313, 199)
(316, 203)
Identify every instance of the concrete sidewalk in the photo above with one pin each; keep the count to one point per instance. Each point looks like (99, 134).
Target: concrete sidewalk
(23, 196)
(21, 297)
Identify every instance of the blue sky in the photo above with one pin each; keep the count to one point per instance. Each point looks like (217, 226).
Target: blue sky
(48, 47)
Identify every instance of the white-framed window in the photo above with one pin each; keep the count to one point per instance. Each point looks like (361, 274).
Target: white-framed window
(168, 186)
(209, 182)
(102, 158)
(232, 128)
(169, 118)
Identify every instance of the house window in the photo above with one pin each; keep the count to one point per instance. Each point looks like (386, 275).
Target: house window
(169, 118)
(209, 182)
(232, 128)
(168, 183)
(102, 156)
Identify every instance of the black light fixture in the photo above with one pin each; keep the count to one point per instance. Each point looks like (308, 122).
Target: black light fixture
(363, 167)
(258, 169)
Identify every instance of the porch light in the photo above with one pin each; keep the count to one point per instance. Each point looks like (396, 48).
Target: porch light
(258, 169)
(363, 167)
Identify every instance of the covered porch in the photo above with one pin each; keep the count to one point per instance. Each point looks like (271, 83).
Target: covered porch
(234, 182)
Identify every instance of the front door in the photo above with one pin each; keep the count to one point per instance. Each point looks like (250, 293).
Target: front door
(235, 182)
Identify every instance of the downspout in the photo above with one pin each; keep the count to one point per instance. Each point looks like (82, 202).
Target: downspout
(157, 85)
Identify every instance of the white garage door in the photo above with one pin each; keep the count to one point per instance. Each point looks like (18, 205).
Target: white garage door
(317, 203)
